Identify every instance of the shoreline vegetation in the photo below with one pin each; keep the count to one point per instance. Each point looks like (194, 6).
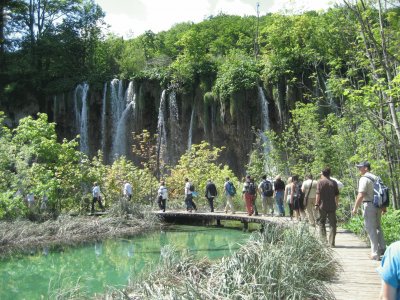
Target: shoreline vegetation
(24, 236)
(280, 263)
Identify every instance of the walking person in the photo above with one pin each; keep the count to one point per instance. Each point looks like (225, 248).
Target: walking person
(372, 215)
(327, 201)
(230, 192)
(249, 194)
(279, 192)
(210, 193)
(30, 198)
(189, 189)
(287, 196)
(309, 188)
(96, 196)
(162, 196)
(266, 192)
(128, 191)
(297, 198)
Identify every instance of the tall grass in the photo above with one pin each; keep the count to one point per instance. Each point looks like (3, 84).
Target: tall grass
(281, 263)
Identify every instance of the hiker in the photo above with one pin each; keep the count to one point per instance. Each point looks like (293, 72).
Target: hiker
(287, 196)
(162, 196)
(30, 198)
(279, 191)
(372, 214)
(189, 189)
(327, 201)
(210, 193)
(128, 190)
(43, 205)
(297, 198)
(266, 192)
(309, 188)
(249, 193)
(389, 272)
(96, 196)
(230, 192)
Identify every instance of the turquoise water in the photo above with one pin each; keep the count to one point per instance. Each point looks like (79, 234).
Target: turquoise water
(108, 263)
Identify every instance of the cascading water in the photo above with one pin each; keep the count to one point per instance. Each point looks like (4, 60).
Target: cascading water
(190, 130)
(81, 115)
(174, 128)
(264, 119)
(103, 119)
(120, 137)
(161, 128)
(117, 103)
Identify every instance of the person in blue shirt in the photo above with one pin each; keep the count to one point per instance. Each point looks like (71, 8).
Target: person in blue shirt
(390, 273)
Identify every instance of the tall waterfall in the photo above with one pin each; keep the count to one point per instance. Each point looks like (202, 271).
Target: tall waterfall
(120, 137)
(190, 130)
(103, 118)
(161, 128)
(81, 115)
(176, 142)
(264, 119)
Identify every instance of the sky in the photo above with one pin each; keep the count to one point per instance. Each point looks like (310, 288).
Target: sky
(130, 18)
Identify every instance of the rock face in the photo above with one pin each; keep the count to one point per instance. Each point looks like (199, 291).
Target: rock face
(105, 117)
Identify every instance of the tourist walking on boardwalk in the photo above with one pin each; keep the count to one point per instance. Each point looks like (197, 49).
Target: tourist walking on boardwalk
(30, 199)
(287, 196)
(390, 272)
(249, 193)
(230, 192)
(128, 190)
(96, 196)
(189, 189)
(372, 214)
(327, 201)
(211, 193)
(162, 196)
(309, 188)
(279, 192)
(266, 193)
(297, 198)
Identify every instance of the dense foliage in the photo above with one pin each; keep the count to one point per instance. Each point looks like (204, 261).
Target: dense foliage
(332, 75)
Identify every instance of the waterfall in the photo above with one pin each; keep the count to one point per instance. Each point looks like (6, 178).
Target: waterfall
(190, 130)
(161, 128)
(81, 115)
(103, 119)
(117, 103)
(174, 129)
(264, 119)
(120, 137)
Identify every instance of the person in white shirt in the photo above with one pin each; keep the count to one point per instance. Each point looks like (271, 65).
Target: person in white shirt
(309, 188)
(128, 190)
(96, 196)
(162, 196)
(30, 198)
(190, 205)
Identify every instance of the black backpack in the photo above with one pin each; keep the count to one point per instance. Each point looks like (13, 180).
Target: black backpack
(298, 196)
(267, 188)
(251, 188)
(191, 187)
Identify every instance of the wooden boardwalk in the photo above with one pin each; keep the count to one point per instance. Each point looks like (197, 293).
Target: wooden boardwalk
(358, 279)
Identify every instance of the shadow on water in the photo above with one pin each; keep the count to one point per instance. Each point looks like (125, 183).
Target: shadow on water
(99, 265)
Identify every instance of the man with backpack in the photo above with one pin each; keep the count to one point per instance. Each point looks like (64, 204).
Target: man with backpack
(230, 192)
(266, 192)
(211, 193)
(372, 214)
(249, 194)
